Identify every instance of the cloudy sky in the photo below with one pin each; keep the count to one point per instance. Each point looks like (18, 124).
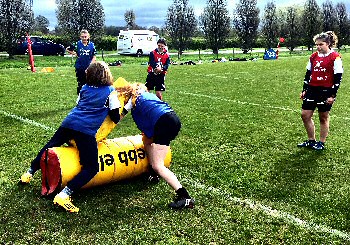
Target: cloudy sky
(148, 12)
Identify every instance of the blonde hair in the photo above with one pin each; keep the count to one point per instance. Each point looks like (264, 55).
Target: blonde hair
(132, 91)
(328, 37)
(99, 74)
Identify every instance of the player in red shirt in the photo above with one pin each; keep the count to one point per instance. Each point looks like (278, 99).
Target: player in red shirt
(321, 83)
(159, 61)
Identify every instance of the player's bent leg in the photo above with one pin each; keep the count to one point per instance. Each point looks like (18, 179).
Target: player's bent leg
(156, 155)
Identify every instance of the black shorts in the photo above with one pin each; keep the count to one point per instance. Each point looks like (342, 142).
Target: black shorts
(155, 82)
(316, 97)
(166, 129)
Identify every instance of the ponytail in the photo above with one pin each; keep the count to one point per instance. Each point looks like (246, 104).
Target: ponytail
(329, 37)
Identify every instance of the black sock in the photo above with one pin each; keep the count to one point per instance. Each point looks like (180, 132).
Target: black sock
(152, 172)
(182, 192)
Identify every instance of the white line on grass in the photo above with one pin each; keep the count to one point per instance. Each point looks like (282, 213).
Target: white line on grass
(239, 102)
(243, 202)
(250, 103)
(26, 120)
(290, 219)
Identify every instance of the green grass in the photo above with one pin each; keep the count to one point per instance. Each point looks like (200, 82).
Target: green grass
(236, 154)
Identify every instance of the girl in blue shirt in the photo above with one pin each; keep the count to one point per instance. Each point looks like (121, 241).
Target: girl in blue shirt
(86, 52)
(96, 100)
(160, 125)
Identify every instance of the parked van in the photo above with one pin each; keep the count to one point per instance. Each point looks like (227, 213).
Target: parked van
(137, 42)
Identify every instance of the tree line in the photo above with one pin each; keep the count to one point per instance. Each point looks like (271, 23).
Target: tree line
(214, 29)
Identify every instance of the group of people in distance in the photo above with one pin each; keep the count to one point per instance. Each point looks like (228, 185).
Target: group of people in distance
(97, 98)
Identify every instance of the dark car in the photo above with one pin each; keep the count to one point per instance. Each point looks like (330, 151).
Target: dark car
(40, 46)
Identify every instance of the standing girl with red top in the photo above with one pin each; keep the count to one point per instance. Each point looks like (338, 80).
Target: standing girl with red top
(158, 64)
(321, 83)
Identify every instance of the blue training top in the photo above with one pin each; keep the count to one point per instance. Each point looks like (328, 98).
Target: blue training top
(85, 54)
(148, 109)
(91, 110)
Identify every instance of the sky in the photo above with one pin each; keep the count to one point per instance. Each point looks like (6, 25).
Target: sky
(149, 12)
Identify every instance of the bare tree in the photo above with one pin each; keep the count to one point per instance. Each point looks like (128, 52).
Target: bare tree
(180, 24)
(16, 19)
(215, 22)
(246, 22)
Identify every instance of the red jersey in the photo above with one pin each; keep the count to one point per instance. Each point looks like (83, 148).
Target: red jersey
(158, 58)
(322, 69)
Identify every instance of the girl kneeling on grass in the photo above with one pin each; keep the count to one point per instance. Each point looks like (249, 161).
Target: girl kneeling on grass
(160, 125)
(96, 100)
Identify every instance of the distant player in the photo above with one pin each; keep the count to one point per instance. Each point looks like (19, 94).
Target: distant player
(159, 61)
(321, 83)
(86, 52)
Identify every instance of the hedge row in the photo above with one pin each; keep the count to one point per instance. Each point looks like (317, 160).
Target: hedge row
(109, 43)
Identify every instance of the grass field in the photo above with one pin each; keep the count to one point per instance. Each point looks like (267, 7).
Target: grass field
(236, 154)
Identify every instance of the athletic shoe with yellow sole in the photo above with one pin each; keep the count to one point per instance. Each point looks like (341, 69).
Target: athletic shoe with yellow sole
(66, 203)
(25, 178)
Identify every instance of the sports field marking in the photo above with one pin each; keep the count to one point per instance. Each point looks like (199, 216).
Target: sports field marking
(239, 102)
(26, 120)
(253, 104)
(290, 219)
(215, 75)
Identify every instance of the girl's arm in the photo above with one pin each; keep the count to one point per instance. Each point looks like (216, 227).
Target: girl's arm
(114, 106)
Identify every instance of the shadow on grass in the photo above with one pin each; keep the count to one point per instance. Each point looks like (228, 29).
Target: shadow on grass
(102, 209)
(306, 181)
(49, 113)
(293, 172)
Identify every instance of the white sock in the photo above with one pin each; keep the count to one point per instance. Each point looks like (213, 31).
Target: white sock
(62, 195)
(66, 192)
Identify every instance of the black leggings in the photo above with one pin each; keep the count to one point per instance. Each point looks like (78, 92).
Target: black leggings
(88, 154)
(81, 78)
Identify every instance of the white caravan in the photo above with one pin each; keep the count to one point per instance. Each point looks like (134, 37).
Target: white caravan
(137, 42)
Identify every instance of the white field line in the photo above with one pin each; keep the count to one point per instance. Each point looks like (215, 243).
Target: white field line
(252, 104)
(239, 102)
(26, 120)
(290, 219)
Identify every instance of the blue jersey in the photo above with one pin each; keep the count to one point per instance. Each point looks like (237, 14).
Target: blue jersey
(148, 109)
(85, 54)
(90, 112)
